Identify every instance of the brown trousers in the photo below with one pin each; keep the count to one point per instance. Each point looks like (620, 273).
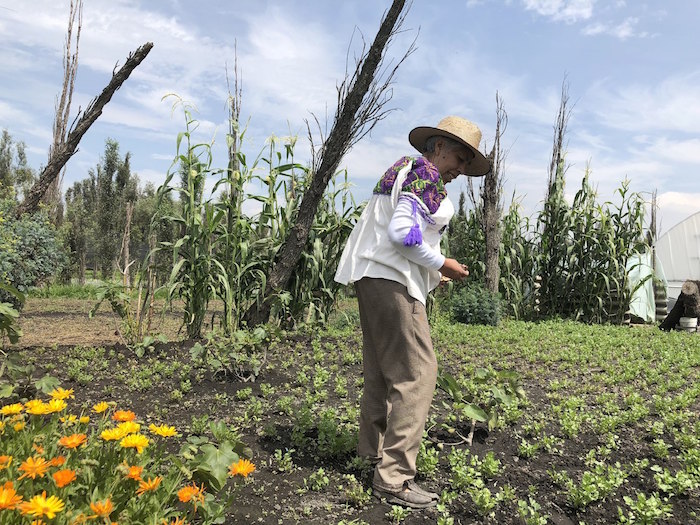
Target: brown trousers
(400, 371)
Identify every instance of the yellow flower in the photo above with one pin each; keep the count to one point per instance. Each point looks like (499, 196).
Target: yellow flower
(38, 522)
(64, 477)
(148, 486)
(102, 509)
(72, 418)
(162, 430)
(11, 410)
(72, 441)
(5, 462)
(33, 467)
(137, 441)
(128, 427)
(112, 434)
(55, 405)
(84, 420)
(191, 492)
(124, 415)
(36, 407)
(61, 393)
(242, 468)
(33, 404)
(8, 496)
(19, 426)
(100, 407)
(40, 506)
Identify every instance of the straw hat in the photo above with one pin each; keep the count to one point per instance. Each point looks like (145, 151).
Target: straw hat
(460, 130)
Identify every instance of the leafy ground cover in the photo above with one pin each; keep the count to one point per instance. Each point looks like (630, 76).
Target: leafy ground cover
(608, 432)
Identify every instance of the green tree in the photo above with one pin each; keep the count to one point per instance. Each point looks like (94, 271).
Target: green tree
(114, 186)
(16, 177)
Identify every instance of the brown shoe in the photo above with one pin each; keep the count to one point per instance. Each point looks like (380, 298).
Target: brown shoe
(417, 488)
(408, 496)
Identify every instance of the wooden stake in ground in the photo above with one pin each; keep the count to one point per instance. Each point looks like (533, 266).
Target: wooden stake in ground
(361, 99)
(66, 149)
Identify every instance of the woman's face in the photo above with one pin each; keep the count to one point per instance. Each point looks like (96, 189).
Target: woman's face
(451, 162)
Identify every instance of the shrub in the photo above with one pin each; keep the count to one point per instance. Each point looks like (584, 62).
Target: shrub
(30, 252)
(474, 304)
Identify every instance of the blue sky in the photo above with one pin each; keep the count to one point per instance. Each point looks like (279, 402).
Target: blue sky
(631, 67)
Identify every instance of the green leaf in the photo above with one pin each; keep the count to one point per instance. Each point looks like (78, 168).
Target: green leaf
(6, 390)
(472, 411)
(213, 464)
(47, 383)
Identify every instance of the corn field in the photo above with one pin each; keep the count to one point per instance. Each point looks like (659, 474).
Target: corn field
(570, 261)
(225, 251)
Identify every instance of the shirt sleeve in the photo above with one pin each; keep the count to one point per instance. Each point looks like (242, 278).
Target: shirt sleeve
(401, 223)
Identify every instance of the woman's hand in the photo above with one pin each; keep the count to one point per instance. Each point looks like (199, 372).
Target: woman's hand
(454, 270)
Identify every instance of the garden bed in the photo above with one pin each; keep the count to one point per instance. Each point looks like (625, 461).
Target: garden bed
(610, 427)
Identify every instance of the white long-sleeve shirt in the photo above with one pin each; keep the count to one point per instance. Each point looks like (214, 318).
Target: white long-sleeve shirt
(376, 247)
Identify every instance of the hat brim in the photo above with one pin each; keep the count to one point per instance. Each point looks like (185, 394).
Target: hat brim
(479, 165)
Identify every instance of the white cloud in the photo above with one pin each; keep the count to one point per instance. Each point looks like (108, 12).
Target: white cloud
(672, 105)
(622, 31)
(569, 11)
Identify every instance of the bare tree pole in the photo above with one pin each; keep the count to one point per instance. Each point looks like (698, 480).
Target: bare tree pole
(52, 197)
(559, 134)
(492, 206)
(125, 253)
(67, 148)
(361, 104)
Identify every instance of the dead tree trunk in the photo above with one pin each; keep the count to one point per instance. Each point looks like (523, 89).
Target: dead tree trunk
(491, 202)
(687, 305)
(52, 197)
(65, 150)
(360, 107)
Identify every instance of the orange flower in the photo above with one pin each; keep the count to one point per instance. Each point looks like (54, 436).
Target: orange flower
(64, 477)
(148, 486)
(124, 415)
(9, 499)
(242, 468)
(38, 448)
(176, 521)
(191, 492)
(5, 462)
(58, 461)
(33, 467)
(38, 522)
(134, 472)
(102, 509)
(72, 441)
